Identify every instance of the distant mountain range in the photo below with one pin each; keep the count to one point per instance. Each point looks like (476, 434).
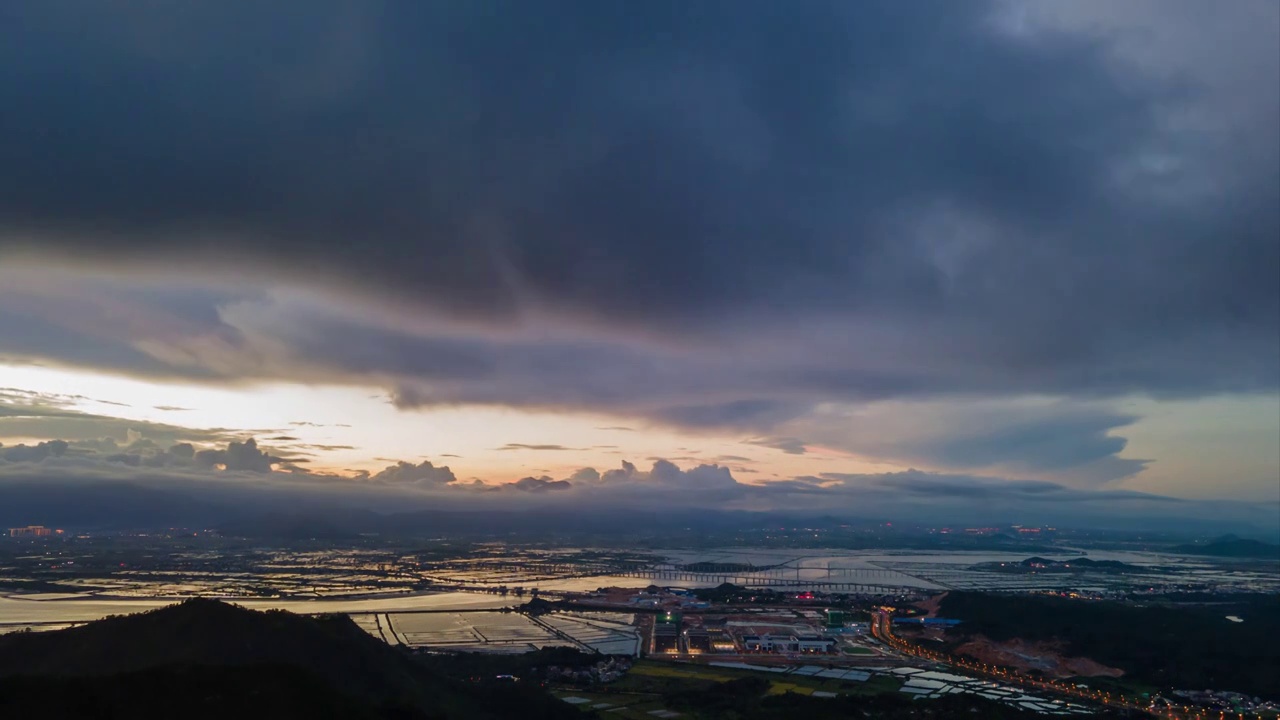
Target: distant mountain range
(1230, 546)
(336, 512)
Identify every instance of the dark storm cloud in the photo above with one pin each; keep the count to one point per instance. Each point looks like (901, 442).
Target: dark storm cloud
(650, 165)
(895, 200)
(25, 336)
(738, 413)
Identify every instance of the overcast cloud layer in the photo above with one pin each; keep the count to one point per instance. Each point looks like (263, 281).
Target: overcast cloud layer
(989, 221)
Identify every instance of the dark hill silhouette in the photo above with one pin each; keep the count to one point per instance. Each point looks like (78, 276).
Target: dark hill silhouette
(1079, 563)
(209, 632)
(1231, 546)
(194, 693)
(212, 657)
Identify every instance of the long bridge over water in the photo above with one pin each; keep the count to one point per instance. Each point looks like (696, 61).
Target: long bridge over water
(869, 580)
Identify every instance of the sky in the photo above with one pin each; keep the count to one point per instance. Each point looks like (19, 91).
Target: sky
(850, 257)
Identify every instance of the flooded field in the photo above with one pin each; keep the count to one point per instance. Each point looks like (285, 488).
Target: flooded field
(609, 633)
(872, 571)
(15, 610)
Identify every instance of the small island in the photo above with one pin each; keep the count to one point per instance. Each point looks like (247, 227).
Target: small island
(1067, 566)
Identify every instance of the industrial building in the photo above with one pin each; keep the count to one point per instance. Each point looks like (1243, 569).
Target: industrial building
(697, 640)
(769, 643)
(666, 632)
(721, 641)
(32, 531)
(815, 643)
(787, 643)
(666, 639)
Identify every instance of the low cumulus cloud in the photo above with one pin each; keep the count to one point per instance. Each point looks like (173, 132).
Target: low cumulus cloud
(540, 484)
(34, 453)
(239, 457)
(910, 495)
(734, 414)
(915, 494)
(236, 457)
(423, 474)
(662, 474)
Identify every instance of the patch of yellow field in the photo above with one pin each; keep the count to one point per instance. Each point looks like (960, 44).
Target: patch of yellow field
(781, 688)
(673, 671)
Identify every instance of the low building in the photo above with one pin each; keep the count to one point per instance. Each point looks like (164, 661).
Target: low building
(721, 641)
(697, 640)
(769, 643)
(32, 531)
(666, 638)
(815, 643)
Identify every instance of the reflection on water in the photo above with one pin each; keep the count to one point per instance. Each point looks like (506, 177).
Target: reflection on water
(21, 609)
(609, 633)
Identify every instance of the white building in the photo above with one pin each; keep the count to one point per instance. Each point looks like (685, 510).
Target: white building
(814, 643)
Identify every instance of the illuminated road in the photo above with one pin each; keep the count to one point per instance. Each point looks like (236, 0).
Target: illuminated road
(882, 630)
